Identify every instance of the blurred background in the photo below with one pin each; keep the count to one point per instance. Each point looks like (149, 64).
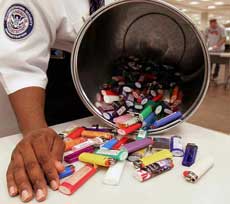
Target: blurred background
(201, 11)
(214, 112)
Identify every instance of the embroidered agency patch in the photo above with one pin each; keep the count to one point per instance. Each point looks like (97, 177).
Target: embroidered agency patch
(18, 22)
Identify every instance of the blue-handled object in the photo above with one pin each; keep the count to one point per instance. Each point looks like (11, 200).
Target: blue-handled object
(168, 119)
(69, 170)
(109, 144)
(190, 154)
(148, 121)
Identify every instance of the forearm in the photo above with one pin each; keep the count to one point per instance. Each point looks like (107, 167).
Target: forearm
(221, 42)
(28, 105)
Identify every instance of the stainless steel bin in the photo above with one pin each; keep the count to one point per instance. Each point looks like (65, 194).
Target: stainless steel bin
(140, 27)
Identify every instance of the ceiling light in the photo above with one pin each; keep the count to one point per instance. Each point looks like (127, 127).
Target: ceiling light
(219, 3)
(211, 7)
(194, 2)
(184, 10)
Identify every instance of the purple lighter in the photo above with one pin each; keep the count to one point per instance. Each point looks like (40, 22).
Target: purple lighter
(74, 156)
(137, 145)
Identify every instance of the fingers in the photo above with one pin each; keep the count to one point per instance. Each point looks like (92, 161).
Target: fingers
(58, 148)
(57, 152)
(34, 171)
(46, 162)
(12, 187)
(20, 178)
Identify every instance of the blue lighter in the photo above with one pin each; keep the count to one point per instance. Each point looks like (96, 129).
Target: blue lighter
(109, 144)
(190, 154)
(69, 170)
(167, 119)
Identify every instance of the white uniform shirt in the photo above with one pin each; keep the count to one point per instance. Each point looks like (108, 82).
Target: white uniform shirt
(54, 24)
(213, 36)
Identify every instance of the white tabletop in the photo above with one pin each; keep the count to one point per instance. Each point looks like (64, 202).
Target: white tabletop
(213, 188)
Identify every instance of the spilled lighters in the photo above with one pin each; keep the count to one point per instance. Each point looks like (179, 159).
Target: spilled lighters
(153, 170)
(200, 168)
(70, 185)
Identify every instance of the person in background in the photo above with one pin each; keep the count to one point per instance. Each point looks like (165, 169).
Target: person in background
(215, 37)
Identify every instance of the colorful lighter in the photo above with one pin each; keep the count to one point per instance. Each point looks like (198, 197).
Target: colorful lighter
(190, 154)
(88, 143)
(115, 154)
(161, 143)
(158, 156)
(92, 134)
(70, 185)
(122, 119)
(142, 134)
(76, 133)
(73, 157)
(174, 94)
(137, 145)
(153, 170)
(69, 170)
(96, 159)
(168, 119)
(121, 142)
(176, 146)
(67, 131)
(128, 130)
(129, 122)
(69, 143)
(146, 112)
(109, 144)
(135, 156)
(149, 121)
(99, 129)
(199, 169)
(114, 173)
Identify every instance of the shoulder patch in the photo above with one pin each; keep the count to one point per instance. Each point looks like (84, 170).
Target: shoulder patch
(18, 22)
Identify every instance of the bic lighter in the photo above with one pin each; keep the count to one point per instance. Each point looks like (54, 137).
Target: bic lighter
(96, 159)
(92, 134)
(158, 156)
(70, 185)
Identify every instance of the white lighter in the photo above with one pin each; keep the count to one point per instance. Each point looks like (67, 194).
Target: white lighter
(114, 173)
(198, 169)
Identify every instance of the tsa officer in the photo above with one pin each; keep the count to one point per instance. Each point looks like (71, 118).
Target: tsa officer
(29, 30)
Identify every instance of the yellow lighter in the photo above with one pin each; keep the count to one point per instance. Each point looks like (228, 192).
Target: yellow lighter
(158, 156)
(96, 159)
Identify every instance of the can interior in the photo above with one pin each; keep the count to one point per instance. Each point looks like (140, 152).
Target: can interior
(142, 28)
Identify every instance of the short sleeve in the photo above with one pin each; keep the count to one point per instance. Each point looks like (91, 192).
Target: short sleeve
(26, 36)
(222, 32)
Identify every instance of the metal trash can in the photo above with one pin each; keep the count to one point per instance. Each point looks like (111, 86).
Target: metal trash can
(140, 27)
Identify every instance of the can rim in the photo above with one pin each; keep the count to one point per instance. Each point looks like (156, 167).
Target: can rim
(76, 79)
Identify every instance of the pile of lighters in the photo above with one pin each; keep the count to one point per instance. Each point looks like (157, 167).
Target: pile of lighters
(140, 94)
(103, 147)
